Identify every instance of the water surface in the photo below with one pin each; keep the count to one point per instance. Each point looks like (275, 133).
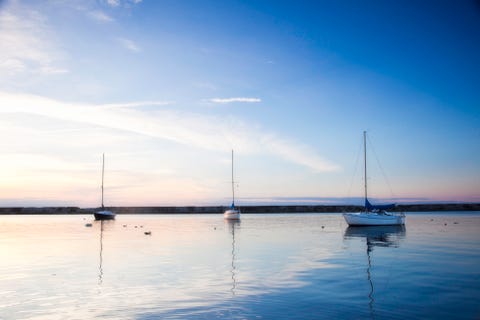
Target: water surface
(275, 266)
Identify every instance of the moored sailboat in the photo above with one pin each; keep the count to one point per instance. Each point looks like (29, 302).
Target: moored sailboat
(104, 214)
(232, 213)
(373, 215)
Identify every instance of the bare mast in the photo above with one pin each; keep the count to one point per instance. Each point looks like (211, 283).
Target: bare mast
(103, 169)
(233, 185)
(365, 162)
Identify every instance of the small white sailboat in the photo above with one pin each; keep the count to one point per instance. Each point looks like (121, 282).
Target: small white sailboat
(373, 215)
(104, 214)
(232, 213)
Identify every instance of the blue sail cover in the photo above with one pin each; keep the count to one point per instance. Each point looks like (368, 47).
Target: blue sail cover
(370, 207)
(232, 206)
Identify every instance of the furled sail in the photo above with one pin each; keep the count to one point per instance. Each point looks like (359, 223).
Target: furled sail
(371, 207)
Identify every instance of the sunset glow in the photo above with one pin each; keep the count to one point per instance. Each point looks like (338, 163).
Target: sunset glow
(167, 89)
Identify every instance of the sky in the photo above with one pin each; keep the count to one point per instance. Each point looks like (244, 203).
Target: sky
(166, 89)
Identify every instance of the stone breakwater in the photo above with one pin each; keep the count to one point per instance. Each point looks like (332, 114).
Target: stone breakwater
(244, 209)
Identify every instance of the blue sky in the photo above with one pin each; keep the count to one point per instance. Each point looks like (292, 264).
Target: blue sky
(167, 88)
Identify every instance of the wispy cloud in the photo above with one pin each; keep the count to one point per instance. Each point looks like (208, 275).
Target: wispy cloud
(126, 3)
(129, 44)
(297, 153)
(186, 128)
(100, 16)
(113, 3)
(237, 99)
(52, 70)
(136, 104)
(27, 43)
(13, 66)
(205, 85)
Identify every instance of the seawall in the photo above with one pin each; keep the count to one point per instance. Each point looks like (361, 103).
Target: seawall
(244, 209)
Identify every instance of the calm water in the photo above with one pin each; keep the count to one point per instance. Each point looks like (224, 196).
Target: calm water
(307, 266)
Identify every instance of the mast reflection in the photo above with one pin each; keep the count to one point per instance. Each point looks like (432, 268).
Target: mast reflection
(100, 270)
(376, 236)
(103, 226)
(232, 224)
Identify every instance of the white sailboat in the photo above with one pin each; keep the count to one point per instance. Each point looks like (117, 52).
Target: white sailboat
(232, 213)
(104, 214)
(373, 215)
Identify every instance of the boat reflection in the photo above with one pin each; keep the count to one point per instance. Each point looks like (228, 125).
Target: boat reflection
(376, 236)
(100, 269)
(232, 225)
(103, 224)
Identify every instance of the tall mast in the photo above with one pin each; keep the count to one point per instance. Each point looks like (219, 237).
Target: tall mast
(103, 169)
(365, 160)
(233, 184)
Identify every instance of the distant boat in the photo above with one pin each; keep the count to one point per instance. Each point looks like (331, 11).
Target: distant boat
(373, 215)
(104, 214)
(232, 213)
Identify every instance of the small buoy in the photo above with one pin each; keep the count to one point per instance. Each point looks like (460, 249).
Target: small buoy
(214, 228)
(136, 226)
(148, 233)
(431, 219)
(323, 227)
(88, 225)
(141, 226)
(455, 222)
(124, 225)
(445, 224)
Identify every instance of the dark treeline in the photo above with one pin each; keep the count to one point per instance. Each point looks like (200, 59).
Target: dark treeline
(244, 209)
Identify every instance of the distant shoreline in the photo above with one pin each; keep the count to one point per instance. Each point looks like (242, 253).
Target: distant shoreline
(244, 209)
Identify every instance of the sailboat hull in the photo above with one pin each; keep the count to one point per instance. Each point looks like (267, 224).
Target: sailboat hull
(232, 214)
(374, 215)
(374, 219)
(104, 215)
